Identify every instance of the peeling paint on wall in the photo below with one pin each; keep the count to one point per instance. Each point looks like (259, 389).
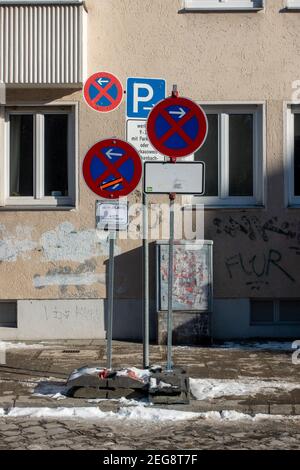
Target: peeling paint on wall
(19, 244)
(65, 243)
(82, 279)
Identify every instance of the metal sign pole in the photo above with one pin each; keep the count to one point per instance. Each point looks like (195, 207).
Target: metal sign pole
(146, 283)
(110, 299)
(170, 283)
(172, 197)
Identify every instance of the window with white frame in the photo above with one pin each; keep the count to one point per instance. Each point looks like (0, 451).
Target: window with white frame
(293, 4)
(40, 156)
(223, 4)
(293, 155)
(233, 156)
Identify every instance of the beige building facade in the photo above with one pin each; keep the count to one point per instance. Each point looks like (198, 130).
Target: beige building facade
(241, 61)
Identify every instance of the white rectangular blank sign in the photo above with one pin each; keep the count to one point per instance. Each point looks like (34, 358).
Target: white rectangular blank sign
(111, 215)
(179, 177)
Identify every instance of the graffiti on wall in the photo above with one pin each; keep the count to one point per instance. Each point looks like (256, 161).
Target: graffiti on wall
(257, 268)
(254, 229)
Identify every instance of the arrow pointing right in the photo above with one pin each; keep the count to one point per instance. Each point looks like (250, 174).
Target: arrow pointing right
(179, 113)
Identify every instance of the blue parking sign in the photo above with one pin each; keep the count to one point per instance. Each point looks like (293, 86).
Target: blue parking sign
(142, 95)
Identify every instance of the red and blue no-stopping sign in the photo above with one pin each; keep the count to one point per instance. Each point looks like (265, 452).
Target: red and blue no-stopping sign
(103, 92)
(177, 127)
(112, 168)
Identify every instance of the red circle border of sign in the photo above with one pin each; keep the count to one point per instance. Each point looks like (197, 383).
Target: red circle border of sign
(112, 106)
(109, 143)
(198, 112)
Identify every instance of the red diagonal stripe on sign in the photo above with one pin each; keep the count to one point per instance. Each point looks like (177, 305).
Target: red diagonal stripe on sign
(111, 169)
(176, 126)
(103, 92)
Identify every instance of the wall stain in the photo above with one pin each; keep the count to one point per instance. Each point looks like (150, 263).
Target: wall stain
(65, 277)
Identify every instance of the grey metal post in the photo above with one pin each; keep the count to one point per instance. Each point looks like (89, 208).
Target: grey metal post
(170, 284)
(146, 284)
(110, 298)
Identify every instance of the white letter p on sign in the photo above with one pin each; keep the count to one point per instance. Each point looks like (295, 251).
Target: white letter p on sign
(141, 99)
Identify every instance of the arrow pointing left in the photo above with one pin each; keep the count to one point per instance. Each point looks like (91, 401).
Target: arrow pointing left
(101, 81)
(110, 153)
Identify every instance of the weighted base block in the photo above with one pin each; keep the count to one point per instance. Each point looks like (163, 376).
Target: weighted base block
(162, 387)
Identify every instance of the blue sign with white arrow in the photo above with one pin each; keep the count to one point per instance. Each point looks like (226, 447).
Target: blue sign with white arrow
(142, 95)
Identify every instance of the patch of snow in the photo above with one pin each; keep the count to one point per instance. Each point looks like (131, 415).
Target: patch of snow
(232, 415)
(132, 402)
(153, 382)
(163, 384)
(59, 413)
(123, 401)
(203, 389)
(256, 345)
(156, 414)
(6, 345)
(139, 413)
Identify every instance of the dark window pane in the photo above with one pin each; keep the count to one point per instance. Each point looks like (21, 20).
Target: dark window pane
(241, 155)
(8, 315)
(21, 155)
(261, 311)
(289, 311)
(297, 155)
(56, 155)
(209, 155)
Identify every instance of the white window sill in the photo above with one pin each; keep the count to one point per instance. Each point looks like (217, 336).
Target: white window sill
(221, 8)
(193, 207)
(42, 2)
(25, 207)
(29, 203)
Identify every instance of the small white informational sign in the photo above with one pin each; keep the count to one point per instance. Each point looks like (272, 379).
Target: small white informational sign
(136, 135)
(111, 215)
(180, 178)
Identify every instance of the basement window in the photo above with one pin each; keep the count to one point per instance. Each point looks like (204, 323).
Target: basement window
(248, 5)
(274, 312)
(8, 315)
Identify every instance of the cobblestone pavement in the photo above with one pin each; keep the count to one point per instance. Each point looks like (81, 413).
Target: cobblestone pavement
(196, 434)
(25, 368)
